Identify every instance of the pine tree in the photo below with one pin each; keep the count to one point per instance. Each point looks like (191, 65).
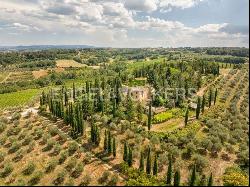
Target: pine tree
(186, 116)
(169, 172)
(114, 148)
(125, 152)
(149, 116)
(155, 167)
(215, 95)
(210, 180)
(177, 178)
(141, 167)
(198, 108)
(148, 166)
(203, 104)
(193, 177)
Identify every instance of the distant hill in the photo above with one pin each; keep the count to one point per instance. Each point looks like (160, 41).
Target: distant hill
(42, 47)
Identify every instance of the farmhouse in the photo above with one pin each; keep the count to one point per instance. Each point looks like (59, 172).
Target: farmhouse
(137, 93)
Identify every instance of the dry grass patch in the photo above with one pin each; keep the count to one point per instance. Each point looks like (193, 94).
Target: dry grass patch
(40, 73)
(68, 64)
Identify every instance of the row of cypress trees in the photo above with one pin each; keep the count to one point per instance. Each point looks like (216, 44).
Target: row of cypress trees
(201, 103)
(109, 143)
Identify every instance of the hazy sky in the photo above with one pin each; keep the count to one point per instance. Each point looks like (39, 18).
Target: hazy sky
(125, 23)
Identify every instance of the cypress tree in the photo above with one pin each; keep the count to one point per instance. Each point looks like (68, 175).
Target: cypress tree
(148, 166)
(155, 168)
(97, 140)
(186, 116)
(114, 108)
(203, 104)
(149, 115)
(66, 99)
(109, 143)
(125, 152)
(105, 146)
(74, 91)
(210, 180)
(102, 104)
(141, 167)
(114, 148)
(210, 98)
(193, 177)
(87, 87)
(198, 108)
(130, 157)
(177, 178)
(215, 95)
(169, 172)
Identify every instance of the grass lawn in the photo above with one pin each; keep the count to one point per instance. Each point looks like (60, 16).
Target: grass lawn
(17, 98)
(168, 126)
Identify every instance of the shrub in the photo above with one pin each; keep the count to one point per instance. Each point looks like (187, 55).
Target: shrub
(70, 182)
(233, 176)
(104, 177)
(27, 140)
(63, 156)
(29, 169)
(15, 147)
(62, 138)
(57, 149)
(22, 135)
(3, 139)
(38, 134)
(19, 155)
(2, 127)
(78, 170)
(73, 146)
(2, 155)
(53, 130)
(20, 182)
(71, 164)
(51, 165)
(60, 178)
(200, 162)
(6, 171)
(36, 177)
(13, 131)
(45, 138)
(31, 146)
(50, 144)
(86, 180)
(15, 116)
(114, 180)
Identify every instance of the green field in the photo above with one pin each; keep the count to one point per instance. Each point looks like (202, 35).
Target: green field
(17, 98)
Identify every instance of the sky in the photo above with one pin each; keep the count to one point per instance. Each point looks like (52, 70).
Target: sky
(125, 23)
